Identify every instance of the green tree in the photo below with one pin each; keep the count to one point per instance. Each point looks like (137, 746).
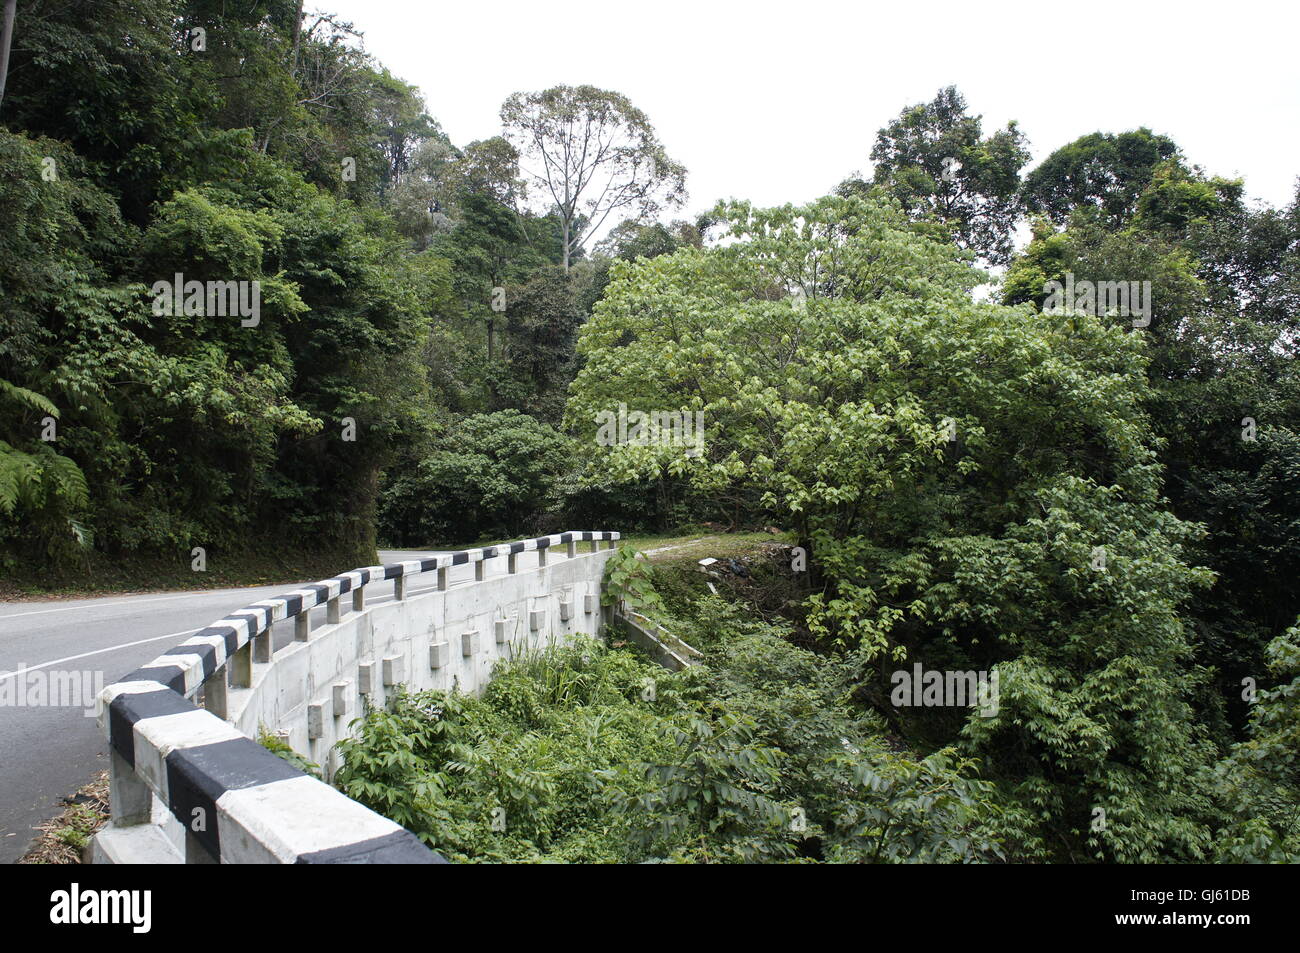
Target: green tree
(542, 320)
(1258, 783)
(487, 474)
(935, 159)
(1101, 171)
(591, 154)
(953, 468)
(712, 803)
(1223, 279)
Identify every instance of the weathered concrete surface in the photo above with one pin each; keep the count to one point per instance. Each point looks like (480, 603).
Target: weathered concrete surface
(310, 691)
(313, 690)
(662, 646)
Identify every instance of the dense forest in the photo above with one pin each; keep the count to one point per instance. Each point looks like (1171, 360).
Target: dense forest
(929, 377)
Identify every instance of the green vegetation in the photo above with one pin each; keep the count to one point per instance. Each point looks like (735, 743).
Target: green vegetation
(628, 584)
(64, 838)
(585, 753)
(415, 314)
(279, 747)
(1092, 500)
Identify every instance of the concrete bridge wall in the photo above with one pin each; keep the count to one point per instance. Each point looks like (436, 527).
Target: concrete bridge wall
(189, 783)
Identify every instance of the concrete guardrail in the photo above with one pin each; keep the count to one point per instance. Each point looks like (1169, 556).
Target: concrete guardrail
(188, 784)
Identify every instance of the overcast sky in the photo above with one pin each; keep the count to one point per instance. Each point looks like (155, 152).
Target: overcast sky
(777, 102)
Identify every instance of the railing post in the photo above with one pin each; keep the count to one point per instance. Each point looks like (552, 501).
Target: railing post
(594, 544)
(609, 544)
(512, 564)
(479, 568)
(332, 616)
(399, 588)
(129, 798)
(302, 625)
(359, 599)
(195, 852)
(215, 696)
(573, 549)
(541, 554)
(241, 666)
(442, 578)
(264, 644)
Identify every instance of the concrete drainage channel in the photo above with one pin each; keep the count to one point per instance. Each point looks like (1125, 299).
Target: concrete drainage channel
(188, 784)
(660, 644)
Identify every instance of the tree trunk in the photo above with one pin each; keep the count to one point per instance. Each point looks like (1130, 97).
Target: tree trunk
(6, 40)
(297, 36)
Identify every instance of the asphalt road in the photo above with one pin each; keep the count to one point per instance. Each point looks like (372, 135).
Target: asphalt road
(48, 751)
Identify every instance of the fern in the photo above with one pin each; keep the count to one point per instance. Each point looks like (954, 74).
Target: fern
(17, 471)
(69, 479)
(28, 398)
(40, 481)
(48, 491)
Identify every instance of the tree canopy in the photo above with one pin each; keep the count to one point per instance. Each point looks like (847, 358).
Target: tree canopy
(255, 301)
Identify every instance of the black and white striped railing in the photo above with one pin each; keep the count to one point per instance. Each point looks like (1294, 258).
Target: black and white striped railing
(237, 801)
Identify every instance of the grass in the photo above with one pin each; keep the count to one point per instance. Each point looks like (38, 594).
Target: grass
(719, 545)
(63, 839)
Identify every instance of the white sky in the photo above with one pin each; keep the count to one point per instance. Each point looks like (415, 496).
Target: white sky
(777, 102)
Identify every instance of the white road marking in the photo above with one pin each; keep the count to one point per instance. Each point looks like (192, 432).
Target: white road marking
(130, 601)
(111, 648)
(137, 600)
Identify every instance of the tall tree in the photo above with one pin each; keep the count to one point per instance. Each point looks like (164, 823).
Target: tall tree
(1221, 348)
(594, 155)
(1101, 171)
(936, 161)
(6, 40)
(956, 470)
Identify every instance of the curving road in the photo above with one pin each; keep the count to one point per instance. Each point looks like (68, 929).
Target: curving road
(48, 751)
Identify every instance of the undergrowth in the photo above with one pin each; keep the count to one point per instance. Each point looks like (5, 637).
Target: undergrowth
(587, 753)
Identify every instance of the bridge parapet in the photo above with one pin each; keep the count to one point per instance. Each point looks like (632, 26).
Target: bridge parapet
(189, 783)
